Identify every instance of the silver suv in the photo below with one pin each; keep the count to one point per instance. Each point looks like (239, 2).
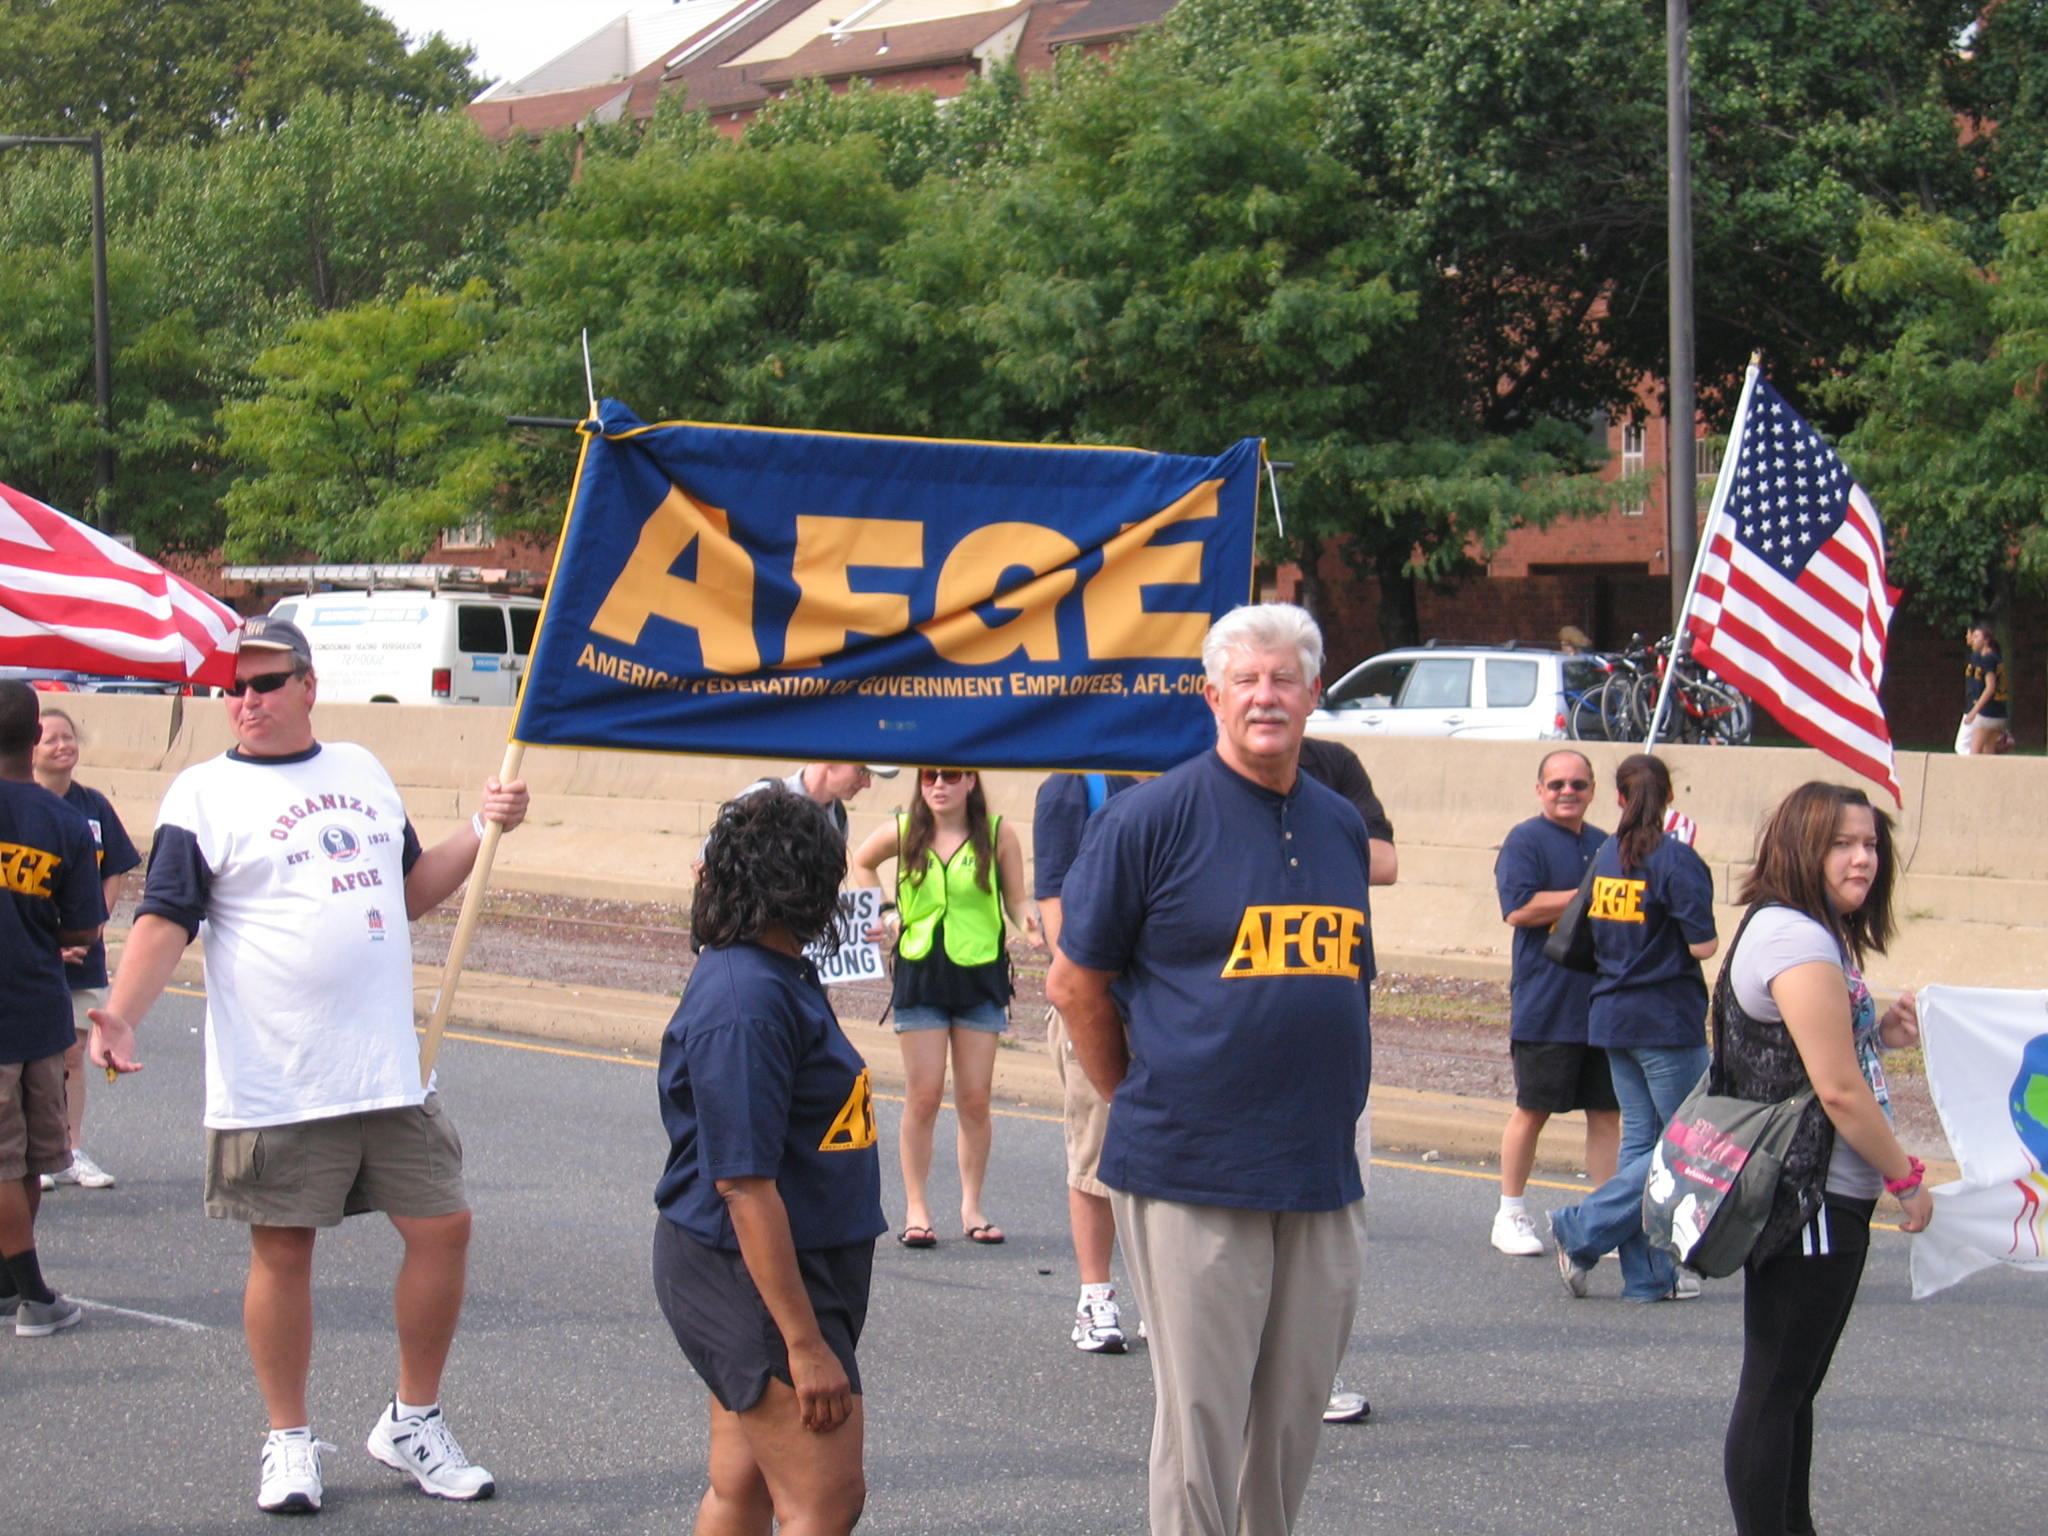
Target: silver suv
(1487, 692)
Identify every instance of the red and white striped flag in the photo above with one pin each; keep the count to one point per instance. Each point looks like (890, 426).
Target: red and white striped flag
(1792, 605)
(75, 600)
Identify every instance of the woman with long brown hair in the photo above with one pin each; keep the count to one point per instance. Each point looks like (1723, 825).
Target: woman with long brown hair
(958, 871)
(1653, 923)
(1793, 1011)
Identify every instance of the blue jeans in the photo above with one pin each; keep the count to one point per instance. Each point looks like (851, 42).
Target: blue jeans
(1651, 1082)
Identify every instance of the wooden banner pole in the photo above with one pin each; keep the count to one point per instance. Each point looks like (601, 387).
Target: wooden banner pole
(465, 925)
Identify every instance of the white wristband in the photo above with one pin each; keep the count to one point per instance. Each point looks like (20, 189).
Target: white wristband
(476, 825)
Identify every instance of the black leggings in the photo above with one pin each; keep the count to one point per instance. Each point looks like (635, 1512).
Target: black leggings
(1794, 1307)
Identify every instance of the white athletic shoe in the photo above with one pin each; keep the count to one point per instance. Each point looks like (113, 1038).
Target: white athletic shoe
(291, 1473)
(1514, 1232)
(83, 1172)
(425, 1448)
(1346, 1407)
(1686, 1287)
(1098, 1328)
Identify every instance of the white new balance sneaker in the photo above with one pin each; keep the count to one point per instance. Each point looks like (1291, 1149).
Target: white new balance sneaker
(84, 1172)
(424, 1447)
(1514, 1232)
(291, 1473)
(1098, 1328)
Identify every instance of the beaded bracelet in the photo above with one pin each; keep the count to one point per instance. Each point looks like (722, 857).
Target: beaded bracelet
(1906, 1186)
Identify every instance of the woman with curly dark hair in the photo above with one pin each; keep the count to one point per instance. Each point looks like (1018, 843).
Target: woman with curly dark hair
(957, 871)
(1792, 1011)
(771, 1200)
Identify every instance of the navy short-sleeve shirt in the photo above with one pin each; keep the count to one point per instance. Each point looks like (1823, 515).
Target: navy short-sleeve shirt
(49, 884)
(1057, 822)
(1547, 1002)
(1237, 920)
(757, 1080)
(1649, 991)
(117, 856)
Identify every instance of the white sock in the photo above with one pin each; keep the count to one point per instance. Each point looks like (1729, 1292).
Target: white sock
(1513, 1202)
(403, 1410)
(303, 1432)
(1103, 1292)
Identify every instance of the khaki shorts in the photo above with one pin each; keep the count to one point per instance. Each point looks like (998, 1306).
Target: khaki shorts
(403, 1162)
(83, 999)
(1086, 1111)
(33, 1135)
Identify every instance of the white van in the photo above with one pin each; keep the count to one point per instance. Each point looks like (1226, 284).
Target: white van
(413, 647)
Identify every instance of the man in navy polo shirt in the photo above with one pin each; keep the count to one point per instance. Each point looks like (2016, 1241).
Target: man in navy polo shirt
(49, 900)
(1227, 902)
(1537, 873)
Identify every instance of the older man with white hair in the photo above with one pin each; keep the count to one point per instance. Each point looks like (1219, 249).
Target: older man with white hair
(1226, 902)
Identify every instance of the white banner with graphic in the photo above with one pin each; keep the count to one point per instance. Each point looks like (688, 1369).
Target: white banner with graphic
(1987, 1067)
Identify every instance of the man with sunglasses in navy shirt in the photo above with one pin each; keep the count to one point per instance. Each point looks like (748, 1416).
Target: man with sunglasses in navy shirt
(299, 858)
(1537, 873)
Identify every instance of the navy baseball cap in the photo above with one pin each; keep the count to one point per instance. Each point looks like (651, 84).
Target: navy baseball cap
(264, 633)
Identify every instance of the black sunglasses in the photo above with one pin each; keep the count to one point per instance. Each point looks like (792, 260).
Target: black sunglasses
(262, 682)
(1557, 786)
(942, 775)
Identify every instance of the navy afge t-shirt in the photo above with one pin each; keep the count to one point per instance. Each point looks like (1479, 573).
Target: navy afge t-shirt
(1649, 991)
(49, 884)
(758, 1081)
(1237, 921)
(1546, 1001)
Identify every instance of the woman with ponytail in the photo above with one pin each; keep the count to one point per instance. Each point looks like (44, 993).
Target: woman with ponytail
(1652, 912)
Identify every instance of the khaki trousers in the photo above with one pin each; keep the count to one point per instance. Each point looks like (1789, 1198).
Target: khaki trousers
(1246, 1317)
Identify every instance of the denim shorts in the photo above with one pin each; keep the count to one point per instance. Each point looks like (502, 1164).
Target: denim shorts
(991, 1018)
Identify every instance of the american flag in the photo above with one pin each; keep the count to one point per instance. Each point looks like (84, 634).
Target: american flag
(73, 599)
(1793, 605)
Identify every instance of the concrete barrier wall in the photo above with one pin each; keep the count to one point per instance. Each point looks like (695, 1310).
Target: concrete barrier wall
(1973, 836)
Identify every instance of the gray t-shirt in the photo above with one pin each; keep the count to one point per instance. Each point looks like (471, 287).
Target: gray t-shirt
(1776, 940)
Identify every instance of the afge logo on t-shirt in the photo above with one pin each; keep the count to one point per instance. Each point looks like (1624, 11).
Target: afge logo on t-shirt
(853, 1128)
(339, 844)
(1616, 901)
(1296, 941)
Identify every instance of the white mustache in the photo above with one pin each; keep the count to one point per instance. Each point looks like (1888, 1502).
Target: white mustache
(1266, 717)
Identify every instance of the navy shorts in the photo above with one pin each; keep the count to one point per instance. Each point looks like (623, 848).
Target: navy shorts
(725, 1329)
(1554, 1078)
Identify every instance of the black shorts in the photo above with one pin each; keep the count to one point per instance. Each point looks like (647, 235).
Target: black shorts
(1554, 1079)
(725, 1328)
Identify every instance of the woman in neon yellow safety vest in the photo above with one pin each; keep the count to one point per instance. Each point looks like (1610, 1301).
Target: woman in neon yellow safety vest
(957, 872)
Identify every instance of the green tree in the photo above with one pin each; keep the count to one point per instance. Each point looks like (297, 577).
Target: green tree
(362, 445)
(1186, 262)
(185, 71)
(1953, 433)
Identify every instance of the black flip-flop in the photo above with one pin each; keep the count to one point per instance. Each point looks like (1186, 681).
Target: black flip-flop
(988, 1232)
(918, 1237)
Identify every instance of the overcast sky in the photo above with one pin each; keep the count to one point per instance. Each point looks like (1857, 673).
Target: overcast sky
(511, 37)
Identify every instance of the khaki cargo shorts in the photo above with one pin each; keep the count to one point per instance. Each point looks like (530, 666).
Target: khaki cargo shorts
(403, 1162)
(1086, 1112)
(33, 1135)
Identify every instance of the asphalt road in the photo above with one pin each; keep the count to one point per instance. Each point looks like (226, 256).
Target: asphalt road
(1500, 1405)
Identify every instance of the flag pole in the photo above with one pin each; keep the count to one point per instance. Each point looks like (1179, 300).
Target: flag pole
(1716, 510)
(465, 925)
(486, 855)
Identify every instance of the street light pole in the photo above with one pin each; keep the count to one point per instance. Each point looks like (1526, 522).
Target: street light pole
(102, 329)
(1681, 473)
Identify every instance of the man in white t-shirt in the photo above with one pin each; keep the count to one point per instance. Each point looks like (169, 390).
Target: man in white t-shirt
(299, 860)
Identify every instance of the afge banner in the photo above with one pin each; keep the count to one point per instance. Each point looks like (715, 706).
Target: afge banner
(757, 593)
(1987, 1069)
